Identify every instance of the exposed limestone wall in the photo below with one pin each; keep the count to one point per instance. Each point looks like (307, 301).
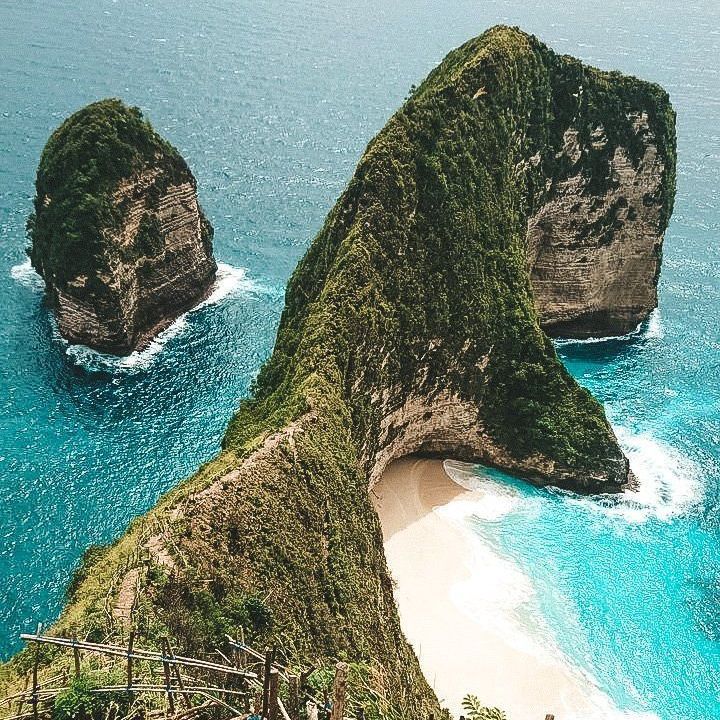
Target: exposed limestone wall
(446, 425)
(594, 257)
(143, 288)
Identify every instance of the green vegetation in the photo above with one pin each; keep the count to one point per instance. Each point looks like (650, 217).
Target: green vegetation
(81, 166)
(416, 284)
(428, 244)
(90, 557)
(474, 710)
(79, 702)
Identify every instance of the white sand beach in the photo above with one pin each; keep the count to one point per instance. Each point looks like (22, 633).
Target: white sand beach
(435, 562)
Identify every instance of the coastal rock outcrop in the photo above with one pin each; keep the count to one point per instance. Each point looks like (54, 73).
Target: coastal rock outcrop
(412, 325)
(117, 231)
(595, 243)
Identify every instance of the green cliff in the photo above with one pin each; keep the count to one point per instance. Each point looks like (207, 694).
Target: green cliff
(410, 326)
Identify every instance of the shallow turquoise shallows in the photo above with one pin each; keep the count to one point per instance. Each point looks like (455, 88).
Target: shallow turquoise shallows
(272, 104)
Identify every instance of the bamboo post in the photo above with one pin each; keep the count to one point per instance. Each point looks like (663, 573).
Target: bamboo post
(273, 695)
(168, 684)
(176, 669)
(294, 697)
(34, 697)
(339, 691)
(131, 641)
(36, 662)
(76, 657)
(241, 653)
(266, 683)
(246, 695)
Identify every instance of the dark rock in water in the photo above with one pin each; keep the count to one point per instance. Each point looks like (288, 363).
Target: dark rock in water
(117, 233)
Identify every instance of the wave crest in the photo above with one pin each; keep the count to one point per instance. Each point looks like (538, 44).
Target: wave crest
(24, 273)
(669, 482)
(649, 329)
(230, 282)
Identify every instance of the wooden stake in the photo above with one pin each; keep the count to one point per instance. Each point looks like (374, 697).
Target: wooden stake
(168, 684)
(241, 653)
(36, 662)
(246, 694)
(339, 691)
(273, 695)
(34, 697)
(131, 641)
(294, 697)
(176, 670)
(76, 656)
(266, 682)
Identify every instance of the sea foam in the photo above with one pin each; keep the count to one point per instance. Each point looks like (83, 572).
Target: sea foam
(498, 595)
(669, 483)
(25, 274)
(230, 282)
(649, 329)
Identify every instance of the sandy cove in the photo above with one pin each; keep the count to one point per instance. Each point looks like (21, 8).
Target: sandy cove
(431, 557)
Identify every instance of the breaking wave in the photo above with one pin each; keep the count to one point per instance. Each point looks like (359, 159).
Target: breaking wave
(25, 274)
(649, 329)
(230, 282)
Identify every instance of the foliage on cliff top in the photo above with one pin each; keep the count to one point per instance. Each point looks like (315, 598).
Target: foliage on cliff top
(82, 164)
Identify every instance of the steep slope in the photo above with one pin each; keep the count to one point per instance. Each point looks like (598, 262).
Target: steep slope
(410, 326)
(117, 232)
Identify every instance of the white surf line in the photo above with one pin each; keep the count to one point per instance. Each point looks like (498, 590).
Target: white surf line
(498, 594)
(25, 274)
(229, 282)
(649, 329)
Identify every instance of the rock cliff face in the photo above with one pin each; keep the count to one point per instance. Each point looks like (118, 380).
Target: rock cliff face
(412, 325)
(594, 252)
(117, 232)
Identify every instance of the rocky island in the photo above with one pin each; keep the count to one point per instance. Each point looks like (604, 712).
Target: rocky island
(515, 190)
(117, 232)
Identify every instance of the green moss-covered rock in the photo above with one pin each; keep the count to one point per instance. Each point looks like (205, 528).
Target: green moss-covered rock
(117, 232)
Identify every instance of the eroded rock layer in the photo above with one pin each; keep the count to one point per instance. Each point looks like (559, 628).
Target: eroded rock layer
(595, 245)
(117, 233)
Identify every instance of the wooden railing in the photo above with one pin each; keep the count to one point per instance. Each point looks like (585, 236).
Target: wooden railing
(191, 686)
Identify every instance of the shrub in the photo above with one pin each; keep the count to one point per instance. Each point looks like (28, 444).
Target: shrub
(476, 711)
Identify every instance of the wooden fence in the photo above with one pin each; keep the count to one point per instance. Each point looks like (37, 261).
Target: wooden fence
(191, 686)
(246, 682)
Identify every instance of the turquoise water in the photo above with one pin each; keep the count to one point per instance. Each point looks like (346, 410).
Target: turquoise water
(272, 103)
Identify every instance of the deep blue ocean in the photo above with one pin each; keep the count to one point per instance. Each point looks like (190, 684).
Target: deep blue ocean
(272, 104)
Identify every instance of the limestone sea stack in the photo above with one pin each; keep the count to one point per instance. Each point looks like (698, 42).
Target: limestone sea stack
(595, 240)
(117, 231)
